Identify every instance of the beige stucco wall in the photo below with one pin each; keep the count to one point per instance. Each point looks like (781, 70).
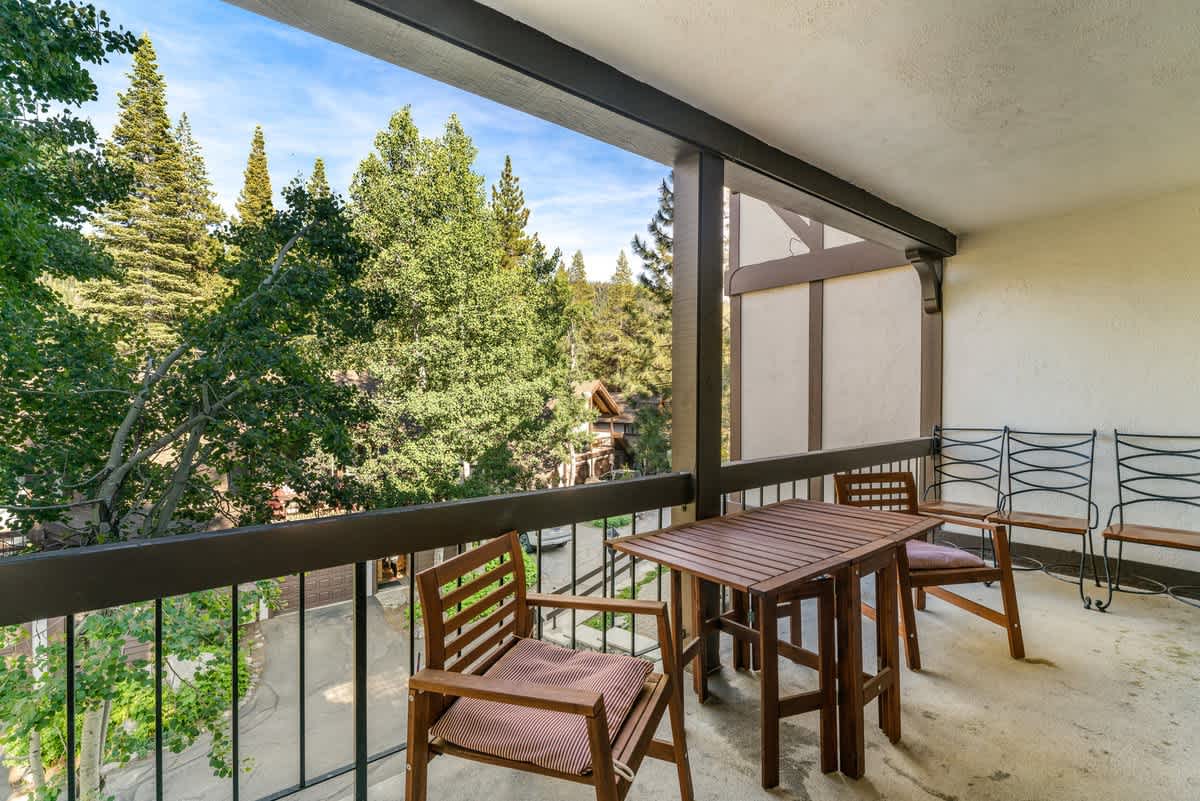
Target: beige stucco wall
(775, 372)
(872, 355)
(1086, 320)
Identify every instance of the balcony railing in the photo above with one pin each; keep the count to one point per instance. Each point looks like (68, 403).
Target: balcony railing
(71, 583)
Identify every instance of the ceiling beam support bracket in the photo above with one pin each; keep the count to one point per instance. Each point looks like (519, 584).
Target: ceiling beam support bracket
(928, 265)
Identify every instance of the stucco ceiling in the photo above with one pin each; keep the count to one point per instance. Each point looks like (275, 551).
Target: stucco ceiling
(971, 113)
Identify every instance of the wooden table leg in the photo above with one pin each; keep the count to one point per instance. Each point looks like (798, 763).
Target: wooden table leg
(887, 633)
(765, 612)
(700, 663)
(850, 672)
(741, 648)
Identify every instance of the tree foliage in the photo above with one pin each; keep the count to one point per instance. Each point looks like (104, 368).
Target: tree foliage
(461, 380)
(511, 216)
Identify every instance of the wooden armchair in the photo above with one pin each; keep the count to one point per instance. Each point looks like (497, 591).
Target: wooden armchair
(929, 567)
(493, 695)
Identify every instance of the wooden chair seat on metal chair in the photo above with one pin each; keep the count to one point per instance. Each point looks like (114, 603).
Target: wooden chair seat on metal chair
(973, 511)
(1060, 523)
(1154, 535)
(554, 740)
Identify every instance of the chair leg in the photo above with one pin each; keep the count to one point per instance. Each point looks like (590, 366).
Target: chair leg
(908, 618)
(1083, 555)
(920, 604)
(675, 709)
(417, 753)
(1008, 594)
(741, 649)
(604, 779)
(1108, 578)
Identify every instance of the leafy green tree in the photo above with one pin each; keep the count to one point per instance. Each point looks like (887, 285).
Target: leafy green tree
(156, 234)
(508, 208)
(460, 367)
(255, 205)
(318, 184)
(193, 436)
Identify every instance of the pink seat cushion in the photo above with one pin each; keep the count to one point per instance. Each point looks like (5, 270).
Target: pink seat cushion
(927, 556)
(555, 740)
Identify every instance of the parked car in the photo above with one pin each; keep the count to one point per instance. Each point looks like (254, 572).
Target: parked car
(551, 538)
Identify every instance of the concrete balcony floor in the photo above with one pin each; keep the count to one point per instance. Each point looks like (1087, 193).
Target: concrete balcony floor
(1106, 706)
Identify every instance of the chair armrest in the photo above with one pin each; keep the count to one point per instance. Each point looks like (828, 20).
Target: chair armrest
(517, 693)
(626, 605)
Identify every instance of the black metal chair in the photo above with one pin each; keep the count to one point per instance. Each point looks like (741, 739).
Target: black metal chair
(967, 458)
(1053, 465)
(1158, 469)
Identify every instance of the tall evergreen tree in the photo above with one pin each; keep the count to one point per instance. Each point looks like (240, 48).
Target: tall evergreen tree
(655, 252)
(318, 184)
(581, 311)
(508, 207)
(154, 234)
(203, 211)
(254, 205)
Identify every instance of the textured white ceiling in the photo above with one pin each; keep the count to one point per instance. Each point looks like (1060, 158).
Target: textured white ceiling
(970, 113)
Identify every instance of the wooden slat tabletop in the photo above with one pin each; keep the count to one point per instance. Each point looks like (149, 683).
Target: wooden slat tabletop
(768, 549)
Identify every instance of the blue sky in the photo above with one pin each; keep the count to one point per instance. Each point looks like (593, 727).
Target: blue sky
(230, 69)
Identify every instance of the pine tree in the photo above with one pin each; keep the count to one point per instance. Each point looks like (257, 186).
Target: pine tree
(203, 211)
(508, 207)
(318, 184)
(153, 234)
(655, 253)
(254, 205)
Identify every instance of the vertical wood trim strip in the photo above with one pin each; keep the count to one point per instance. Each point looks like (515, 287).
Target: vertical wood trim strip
(816, 379)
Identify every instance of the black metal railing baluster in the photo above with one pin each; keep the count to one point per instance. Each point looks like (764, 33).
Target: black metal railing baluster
(659, 582)
(539, 581)
(69, 625)
(303, 683)
(633, 588)
(604, 582)
(158, 699)
(411, 561)
(360, 680)
(235, 684)
(574, 579)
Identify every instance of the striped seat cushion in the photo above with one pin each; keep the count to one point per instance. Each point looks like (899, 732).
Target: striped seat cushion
(554, 740)
(928, 556)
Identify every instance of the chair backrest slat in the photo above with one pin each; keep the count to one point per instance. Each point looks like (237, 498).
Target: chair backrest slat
(1051, 464)
(474, 604)
(894, 491)
(968, 457)
(1159, 469)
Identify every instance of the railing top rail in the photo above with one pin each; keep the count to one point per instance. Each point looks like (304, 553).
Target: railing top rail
(56, 583)
(751, 473)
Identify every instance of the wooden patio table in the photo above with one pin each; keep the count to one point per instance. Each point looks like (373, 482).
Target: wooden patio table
(770, 553)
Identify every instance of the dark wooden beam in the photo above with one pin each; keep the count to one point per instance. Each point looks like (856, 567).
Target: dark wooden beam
(735, 329)
(696, 350)
(469, 45)
(858, 257)
(816, 379)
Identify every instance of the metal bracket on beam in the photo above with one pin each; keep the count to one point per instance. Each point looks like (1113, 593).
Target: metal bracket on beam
(929, 269)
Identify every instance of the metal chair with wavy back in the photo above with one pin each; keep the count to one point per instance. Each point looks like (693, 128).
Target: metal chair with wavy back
(966, 459)
(1158, 469)
(1054, 465)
